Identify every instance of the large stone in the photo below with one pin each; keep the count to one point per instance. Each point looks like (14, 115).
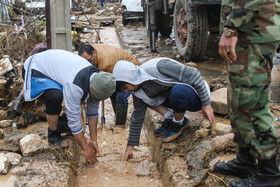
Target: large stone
(30, 144)
(201, 133)
(219, 101)
(14, 158)
(222, 129)
(5, 123)
(221, 143)
(4, 164)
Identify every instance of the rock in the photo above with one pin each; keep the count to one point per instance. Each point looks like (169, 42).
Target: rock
(178, 56)
(3, 113)
(201, 133)
(205, 123)
(14, 158)
(1, 133)
(222, 129)
(219, 101)
(4, 164)
(223, 158)
(30, 144)
(221, 143)
(191, 64)
(5, 123)
(6, 65)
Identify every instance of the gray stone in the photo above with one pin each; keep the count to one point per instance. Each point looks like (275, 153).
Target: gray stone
(4, 164)
(5, 123)
(221, 143)
(222, 129)
(219, 101)
(31, 144)
(191, 64)
(14, 158)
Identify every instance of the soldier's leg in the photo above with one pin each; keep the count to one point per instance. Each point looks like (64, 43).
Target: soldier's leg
(251, 119)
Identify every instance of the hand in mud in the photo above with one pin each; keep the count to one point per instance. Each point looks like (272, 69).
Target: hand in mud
(227, 48)
(93, 144)
(90, 156)
(208, 111)
(128, 153)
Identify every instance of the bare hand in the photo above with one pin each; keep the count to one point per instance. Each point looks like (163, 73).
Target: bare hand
(208, 111)
(90, 156)
(93, 144)
(227, 48)
(128, 153)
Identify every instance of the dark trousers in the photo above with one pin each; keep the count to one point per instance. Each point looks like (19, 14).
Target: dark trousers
(53, 99)
(183, 98)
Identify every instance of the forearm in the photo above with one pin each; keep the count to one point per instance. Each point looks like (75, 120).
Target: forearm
(92, 123)
(80, 138)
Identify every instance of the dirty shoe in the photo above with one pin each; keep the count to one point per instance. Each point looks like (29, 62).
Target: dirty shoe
(163, 128)
(175, 130)
(55, 138)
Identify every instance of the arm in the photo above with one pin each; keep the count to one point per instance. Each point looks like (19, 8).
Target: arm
(92, 114)
(137, 119)
(243, 15)
(72, 99)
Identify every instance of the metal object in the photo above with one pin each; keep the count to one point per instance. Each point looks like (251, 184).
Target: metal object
(103, 114)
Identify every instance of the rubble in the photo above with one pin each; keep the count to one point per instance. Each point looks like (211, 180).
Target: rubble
(201, 133)
(14, 158)
(222, 129)
(221, 143)
(205, 123)
(5, 123)
(31, 144)
(4, 164)
(219, 101)
(5, 65)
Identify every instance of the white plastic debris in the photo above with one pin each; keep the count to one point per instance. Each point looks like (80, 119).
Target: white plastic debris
(5, 65)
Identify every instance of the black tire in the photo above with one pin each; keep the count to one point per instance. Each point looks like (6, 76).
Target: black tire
(164, 24)
(197, 30)
(125, 21)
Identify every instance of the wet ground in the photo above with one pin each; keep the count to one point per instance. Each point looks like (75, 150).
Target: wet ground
(111, 170)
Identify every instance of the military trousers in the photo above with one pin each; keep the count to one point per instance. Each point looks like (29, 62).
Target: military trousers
(248, 98)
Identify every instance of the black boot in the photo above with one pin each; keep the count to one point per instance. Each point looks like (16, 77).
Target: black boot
(267, 175)
(121, 113)
(242, 166)
(62, 125)
(55, 138)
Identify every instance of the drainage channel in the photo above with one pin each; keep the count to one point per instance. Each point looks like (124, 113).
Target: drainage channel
(111, 170)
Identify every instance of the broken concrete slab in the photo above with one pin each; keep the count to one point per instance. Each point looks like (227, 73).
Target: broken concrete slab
(14, 158)
(4, 164)
(221, 128)
(221, 143)
(31, 144)
(219, 101)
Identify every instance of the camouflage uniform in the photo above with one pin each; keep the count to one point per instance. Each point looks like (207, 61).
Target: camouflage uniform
(258, 23)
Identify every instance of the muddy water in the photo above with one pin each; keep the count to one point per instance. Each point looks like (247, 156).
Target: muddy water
(111, 170)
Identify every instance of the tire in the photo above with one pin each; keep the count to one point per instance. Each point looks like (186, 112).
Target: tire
(164, 24)
(192, 43)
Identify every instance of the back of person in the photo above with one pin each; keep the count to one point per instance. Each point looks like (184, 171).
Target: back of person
(108, 56)
(59, 65)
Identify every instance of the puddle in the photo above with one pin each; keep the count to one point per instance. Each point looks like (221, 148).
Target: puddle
(7, 180)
